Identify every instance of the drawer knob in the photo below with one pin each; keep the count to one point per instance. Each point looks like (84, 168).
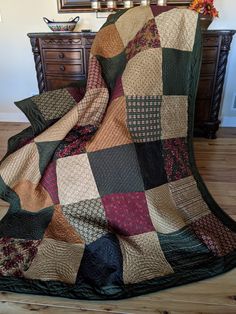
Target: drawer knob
(61, 55)
(62, 68)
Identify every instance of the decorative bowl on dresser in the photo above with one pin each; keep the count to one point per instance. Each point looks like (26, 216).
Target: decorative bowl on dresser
(62, 59)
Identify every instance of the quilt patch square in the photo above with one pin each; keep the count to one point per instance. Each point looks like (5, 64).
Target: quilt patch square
(60, 229)
(120, 173)
(143, 118)
(130, 23)
(151, 163)
(23, 164)
(101, 265)
(112, 42)
(162, 209)
(150, 82)
(168, 27)
(54, 104)
(88, 218)
(175, 72)
(143, 258)
(113, 131)
(174, 116)
(176, 158)
(49, 181)
(147, 37)
(127, 213)
(75, 179)
(183, 250)
(188, 199)
(56, 260)
(218, 238)
(16, 255)
(94, 79)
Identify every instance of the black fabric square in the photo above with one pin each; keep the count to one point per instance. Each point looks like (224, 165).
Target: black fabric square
(116, 170)
(22, 224)
(102, 262)
(151, 164)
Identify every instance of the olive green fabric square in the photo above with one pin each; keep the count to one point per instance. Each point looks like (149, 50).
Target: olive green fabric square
(175, 71)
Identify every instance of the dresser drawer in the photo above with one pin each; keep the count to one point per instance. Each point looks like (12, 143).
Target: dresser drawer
(208, 67)
(205, 86)
(51, 54)
(64, 68)
(210, 53)
(211, 40)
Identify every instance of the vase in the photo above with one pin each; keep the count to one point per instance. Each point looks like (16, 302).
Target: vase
(205, 21)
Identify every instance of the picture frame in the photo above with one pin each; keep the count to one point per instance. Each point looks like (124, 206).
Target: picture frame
(70, 6)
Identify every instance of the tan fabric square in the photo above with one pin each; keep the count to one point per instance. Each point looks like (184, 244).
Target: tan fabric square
(75, 179)
(60, 229)
(112, 44)
(59, 129)
(113, 130)
(132, 21)
(56, 260)
(33, 197)
(164, 215)
(21, 165)
(174, 116)
(188, 199)
(3, 212)
(137, 81)
(169, 24)
(143, 258)
(92, 107)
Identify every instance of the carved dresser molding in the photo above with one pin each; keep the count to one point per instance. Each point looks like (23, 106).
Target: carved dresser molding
(62, 58)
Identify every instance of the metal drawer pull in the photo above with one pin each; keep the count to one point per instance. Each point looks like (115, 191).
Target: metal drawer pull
(61, 55)
(62, 68)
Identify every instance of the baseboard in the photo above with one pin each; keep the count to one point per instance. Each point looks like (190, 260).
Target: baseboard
(12, 117)
(228, 122)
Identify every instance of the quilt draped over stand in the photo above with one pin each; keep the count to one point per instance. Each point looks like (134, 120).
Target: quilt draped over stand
(105, 198)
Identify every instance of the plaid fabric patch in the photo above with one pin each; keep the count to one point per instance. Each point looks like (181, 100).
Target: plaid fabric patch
(143, 118)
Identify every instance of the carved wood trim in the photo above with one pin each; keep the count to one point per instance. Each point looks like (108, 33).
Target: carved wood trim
(38, 63)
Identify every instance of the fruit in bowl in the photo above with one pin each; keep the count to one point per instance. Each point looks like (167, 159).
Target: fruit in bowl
(68, 26)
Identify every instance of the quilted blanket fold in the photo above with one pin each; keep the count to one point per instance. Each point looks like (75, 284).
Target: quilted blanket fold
(105, 198)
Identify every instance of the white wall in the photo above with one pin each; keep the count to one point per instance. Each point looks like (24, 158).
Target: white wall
(17, 72)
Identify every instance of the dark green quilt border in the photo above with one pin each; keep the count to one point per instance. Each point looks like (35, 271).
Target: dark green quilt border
(212, 267)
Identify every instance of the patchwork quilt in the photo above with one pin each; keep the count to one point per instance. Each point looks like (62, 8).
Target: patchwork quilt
(105, 198)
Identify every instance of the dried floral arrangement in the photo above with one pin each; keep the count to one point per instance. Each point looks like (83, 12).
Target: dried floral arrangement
(205, 7)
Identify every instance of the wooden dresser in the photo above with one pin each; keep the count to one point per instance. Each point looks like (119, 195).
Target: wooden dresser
(62, 58)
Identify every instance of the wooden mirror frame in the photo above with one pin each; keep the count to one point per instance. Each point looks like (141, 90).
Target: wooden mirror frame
(69, 6)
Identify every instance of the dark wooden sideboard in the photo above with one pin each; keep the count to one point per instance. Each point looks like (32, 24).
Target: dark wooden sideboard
(62, 58)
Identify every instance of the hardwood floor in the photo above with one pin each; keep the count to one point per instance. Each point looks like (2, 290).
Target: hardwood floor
(216, 160)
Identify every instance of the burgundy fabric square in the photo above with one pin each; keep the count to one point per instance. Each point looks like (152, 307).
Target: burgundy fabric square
(217, 237)
(75, 141)
(76, 93)
(127, 213)
(49, 181)
(118, 89)
(95, 79)
(176, 158)
(148, 37)
(158, 9)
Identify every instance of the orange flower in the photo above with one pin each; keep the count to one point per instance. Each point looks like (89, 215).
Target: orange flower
(205, 7)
